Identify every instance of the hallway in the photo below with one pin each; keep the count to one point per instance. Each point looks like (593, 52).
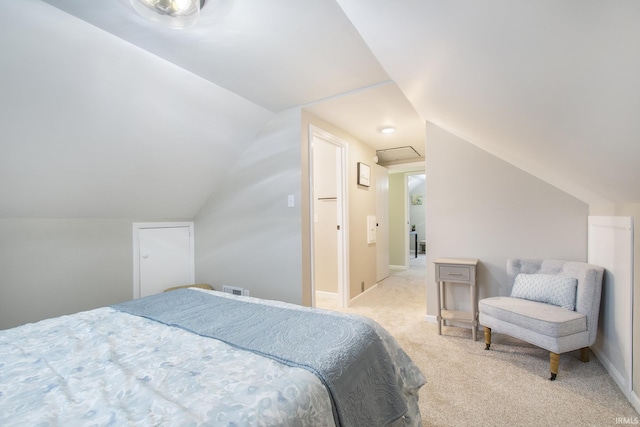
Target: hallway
(389, 292)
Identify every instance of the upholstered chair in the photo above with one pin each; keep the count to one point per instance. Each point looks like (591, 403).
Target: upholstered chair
(552, 304)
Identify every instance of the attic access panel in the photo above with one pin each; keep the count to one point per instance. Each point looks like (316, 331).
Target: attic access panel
(397, 154)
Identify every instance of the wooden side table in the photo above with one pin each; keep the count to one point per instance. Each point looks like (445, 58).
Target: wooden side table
(457, 270)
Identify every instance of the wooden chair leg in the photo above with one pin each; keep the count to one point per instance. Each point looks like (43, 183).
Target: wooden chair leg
(584, 354)
(487, 338)
(554, 361)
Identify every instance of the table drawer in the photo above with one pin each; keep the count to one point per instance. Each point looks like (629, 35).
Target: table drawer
(446, 273)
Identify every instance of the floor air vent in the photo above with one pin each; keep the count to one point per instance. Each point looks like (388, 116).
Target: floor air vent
(235, 290)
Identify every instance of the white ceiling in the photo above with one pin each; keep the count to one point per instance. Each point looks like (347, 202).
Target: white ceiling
(550, 86)
(278, 54)
(364, 113)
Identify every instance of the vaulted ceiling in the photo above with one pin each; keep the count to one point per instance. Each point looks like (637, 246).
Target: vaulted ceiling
(550, 86)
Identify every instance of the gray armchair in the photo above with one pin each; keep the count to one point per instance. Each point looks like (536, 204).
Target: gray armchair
(552, 304)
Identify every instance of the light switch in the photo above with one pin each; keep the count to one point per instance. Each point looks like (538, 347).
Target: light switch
(291, 201)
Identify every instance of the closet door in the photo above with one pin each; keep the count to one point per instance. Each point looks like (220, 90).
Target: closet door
(164, 256)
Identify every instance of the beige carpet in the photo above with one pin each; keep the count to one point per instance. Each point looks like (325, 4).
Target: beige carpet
(505, 386)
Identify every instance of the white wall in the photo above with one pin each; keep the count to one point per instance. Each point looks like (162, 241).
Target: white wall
(96, 134)
(398, 238)
(478, 206)
(245, 235)
(363, 256)
(51, 267)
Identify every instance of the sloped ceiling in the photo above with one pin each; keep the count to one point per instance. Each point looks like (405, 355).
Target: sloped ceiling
(107, 115)
(548, 86)
(277, 54)
(93, 127)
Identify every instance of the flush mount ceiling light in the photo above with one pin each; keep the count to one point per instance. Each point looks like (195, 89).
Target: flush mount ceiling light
(176, 14)
(387, 130)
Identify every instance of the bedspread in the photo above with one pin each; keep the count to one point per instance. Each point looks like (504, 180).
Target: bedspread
(107, 367)
(347, 353)
(103, 367)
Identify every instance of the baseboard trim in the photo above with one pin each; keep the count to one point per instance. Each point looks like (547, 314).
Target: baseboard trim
(618, 378)
(354, 299)
(635, 401)
(398, 267)
(430, 318)
(328, 295)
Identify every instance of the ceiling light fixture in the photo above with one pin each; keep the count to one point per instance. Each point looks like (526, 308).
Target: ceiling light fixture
(387, 130)
(177, 14)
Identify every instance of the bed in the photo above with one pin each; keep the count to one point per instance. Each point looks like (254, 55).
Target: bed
(195, 357)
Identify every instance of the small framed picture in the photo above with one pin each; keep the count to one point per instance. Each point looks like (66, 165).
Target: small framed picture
(364, 174)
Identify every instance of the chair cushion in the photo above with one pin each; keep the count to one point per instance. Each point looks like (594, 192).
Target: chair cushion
(546, 319)
(550, 288)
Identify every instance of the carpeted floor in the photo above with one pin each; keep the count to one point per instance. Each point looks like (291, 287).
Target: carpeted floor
(506, 386)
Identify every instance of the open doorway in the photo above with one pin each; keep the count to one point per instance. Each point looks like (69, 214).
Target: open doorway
(407, 236)
(329, 228)
(416, 191)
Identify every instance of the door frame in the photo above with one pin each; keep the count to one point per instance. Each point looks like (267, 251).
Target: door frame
(382, 223)
(137, 226)
(343, 217)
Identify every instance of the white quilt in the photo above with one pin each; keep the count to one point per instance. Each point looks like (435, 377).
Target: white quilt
(104, 367)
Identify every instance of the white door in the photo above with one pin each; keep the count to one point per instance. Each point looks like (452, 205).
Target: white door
(382, 217)
(164, 257)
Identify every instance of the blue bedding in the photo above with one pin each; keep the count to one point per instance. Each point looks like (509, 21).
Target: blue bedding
(104, 367)
(109, 367)
(350, 354)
